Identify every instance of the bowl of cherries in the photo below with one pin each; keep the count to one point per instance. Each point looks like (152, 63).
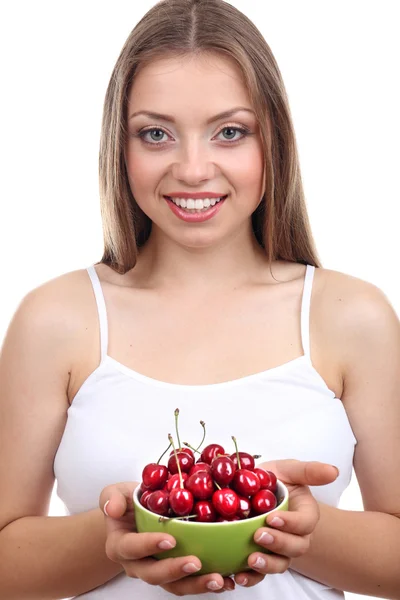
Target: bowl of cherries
(211, 501)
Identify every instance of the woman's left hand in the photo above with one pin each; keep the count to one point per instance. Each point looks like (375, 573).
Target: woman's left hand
(290, 538)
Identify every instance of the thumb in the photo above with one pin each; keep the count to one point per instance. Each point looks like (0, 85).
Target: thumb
(115, 500)
(298, 472)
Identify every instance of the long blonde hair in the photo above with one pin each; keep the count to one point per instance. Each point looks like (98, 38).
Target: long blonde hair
(181, 28)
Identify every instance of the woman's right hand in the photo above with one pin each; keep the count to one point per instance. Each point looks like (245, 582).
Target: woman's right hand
(134, 550)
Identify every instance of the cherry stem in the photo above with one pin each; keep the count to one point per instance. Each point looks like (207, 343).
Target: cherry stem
(165, 451)
(162, 518)
(176, 426)
(237, 452)
(177, 461)
(191, 447)
(204, 435)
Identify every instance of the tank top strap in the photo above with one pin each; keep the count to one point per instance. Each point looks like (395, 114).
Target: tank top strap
(102, 311)
(305, 309)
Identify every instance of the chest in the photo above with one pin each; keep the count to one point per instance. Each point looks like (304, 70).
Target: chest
(206, 342)
(200, 341)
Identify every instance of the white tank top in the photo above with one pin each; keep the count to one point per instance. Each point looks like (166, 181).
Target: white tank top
(119, 421)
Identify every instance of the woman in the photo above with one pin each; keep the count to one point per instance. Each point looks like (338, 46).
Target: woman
(209, 296)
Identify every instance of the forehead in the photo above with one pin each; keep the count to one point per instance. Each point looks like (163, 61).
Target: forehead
(193, 83)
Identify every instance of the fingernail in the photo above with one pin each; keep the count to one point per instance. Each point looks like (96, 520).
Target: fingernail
(276, 522)
(105, 508)
(265, 538)
(244, 581)
(260, 563)
(190, 568)
(337, 470)
(166, 545)
(213, 585)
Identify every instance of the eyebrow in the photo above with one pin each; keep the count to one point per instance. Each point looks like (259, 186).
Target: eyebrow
(223, 115)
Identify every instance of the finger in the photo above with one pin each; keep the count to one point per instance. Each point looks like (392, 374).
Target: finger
(200, 584)
(117, 496)
(302, 516)
(248, 578)
(298, 472)
(160, 572)
(122, 545)
(116, 502)
(268, 564)
(282, 543)
(124, 489)
(229, 586)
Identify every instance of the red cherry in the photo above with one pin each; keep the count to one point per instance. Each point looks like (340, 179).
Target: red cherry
(157, 502)
(210, 452)
(154, 476)
(143, 488)
(181, 501)
(186, 462)
(267, 479)
(222, 470)
(143, 498)
(245, 482)
(205, 511)
(200, 466)
(225, 502)
(187, 450)
(263, 502)
(175, 482)
(244, 508)
(246, 460)
(274, 483)
(201, 485)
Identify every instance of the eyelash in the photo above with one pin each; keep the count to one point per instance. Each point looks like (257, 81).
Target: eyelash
(243, 130)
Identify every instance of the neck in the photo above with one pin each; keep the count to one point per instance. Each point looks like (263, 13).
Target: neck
(230, 263)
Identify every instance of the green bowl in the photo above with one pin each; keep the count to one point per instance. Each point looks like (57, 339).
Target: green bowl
(221, 547)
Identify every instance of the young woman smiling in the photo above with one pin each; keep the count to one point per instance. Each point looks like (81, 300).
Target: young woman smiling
(209, 296)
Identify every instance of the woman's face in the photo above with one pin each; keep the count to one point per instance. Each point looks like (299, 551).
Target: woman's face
(196, 152)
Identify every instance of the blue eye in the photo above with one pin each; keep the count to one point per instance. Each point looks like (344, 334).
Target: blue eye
(141, 134)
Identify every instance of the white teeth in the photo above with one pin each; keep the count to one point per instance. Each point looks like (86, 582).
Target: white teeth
(196, 204)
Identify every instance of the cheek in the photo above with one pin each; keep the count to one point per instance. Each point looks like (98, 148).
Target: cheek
(142, 173)
(249, 170)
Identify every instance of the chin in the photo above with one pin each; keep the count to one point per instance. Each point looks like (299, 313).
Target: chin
(198, 242)
(197, 239)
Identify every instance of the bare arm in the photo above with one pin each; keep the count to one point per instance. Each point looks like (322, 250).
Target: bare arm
(360, 551)
(42, 557)
(47, 558)
(354, 551)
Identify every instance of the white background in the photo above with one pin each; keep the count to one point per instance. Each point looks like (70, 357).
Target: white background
(339, 62)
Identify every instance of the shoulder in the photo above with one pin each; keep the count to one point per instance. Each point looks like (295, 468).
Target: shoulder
(56, 300)
(41, 344)
(355, 300)
(53, 313)
(357, 313)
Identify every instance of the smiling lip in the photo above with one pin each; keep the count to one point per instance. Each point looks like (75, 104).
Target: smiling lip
(194, 195)
(194, 217)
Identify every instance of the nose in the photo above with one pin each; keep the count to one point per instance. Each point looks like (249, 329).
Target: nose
(194, 164)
